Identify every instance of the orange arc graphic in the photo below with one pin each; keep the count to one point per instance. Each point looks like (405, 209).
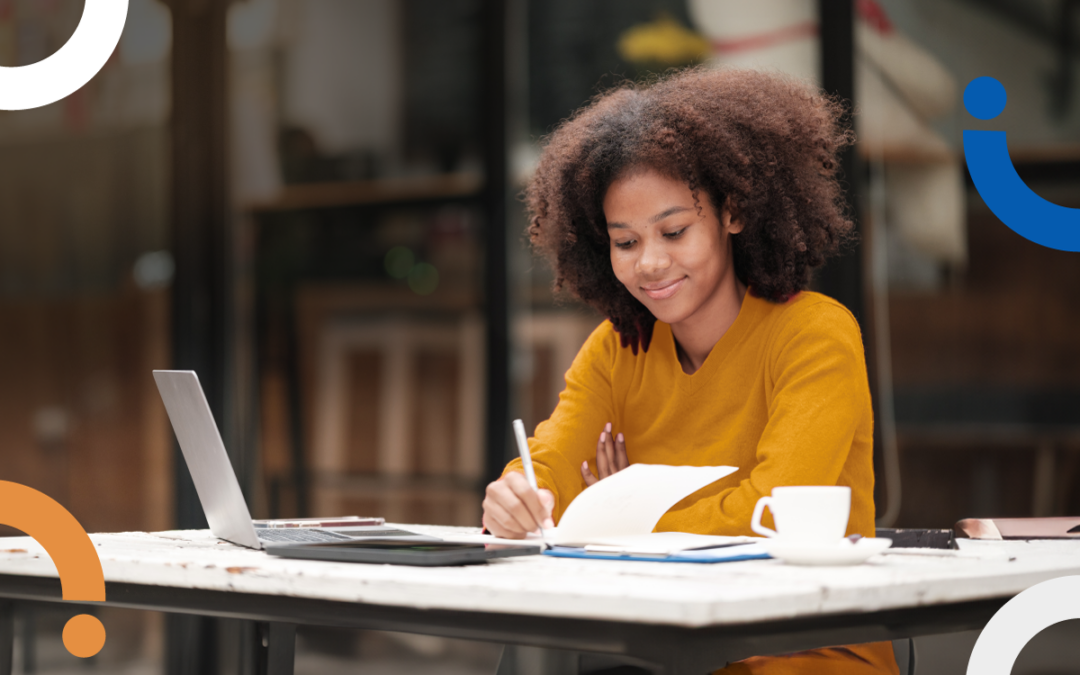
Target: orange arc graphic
(71, 550)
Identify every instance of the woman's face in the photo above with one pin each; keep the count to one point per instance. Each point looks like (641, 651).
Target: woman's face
(672, 258)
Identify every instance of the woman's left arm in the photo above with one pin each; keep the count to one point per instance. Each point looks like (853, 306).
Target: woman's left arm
(819, 429)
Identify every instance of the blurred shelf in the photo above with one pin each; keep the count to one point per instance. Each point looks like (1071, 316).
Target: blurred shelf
(381, 483)
(999, 409)
(320, 299)
(1049, 155)
(967, 435)
(1058, 153)
(371, 192)
(902, 154)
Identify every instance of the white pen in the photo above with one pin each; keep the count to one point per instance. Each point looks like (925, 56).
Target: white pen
(526, 460)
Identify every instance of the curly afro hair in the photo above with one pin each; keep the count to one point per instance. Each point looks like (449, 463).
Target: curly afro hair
(763, 144)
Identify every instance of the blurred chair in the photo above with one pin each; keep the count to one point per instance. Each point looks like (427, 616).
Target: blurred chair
(399, 418)
(547, 343)
(397, 407)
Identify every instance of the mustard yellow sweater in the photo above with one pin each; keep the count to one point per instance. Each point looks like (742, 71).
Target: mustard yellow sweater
(783, 396)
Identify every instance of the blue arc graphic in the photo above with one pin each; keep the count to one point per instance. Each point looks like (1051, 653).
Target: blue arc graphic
(996, 180)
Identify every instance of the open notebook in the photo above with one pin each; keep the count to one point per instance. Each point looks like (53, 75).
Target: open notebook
(618, 514)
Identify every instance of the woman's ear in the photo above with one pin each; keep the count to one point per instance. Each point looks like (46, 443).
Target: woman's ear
(732, 223)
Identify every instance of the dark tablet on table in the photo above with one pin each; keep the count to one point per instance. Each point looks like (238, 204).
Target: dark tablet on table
(377, 551)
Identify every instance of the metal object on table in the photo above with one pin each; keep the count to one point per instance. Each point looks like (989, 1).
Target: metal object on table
(918, 538)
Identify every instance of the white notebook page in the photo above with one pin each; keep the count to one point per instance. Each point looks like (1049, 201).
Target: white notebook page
(630, 502)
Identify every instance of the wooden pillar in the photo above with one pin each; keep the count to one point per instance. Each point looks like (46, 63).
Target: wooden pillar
(200, 244)
(199, 212)
(493, 132)
(842, 277)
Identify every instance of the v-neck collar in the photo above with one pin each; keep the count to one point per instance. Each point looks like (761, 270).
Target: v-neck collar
(717, 355)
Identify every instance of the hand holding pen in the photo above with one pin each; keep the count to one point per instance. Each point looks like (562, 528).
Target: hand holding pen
(514, 505)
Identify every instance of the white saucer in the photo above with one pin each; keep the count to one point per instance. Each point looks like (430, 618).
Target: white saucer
(843, 552)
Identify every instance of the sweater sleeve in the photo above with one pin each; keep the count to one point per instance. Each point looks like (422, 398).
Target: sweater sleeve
(569, 436)
(819, 399)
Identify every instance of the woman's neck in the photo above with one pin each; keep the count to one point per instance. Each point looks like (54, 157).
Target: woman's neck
(696, 336)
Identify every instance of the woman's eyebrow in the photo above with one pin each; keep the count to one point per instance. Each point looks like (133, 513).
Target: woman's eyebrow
(655, 219)
(667, 212)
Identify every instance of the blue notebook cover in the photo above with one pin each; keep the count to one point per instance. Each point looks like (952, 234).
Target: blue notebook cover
(708, 555)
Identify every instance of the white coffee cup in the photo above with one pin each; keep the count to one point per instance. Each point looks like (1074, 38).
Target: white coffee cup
(805, 513)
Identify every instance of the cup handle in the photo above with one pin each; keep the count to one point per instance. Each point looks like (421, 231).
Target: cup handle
(755, 520)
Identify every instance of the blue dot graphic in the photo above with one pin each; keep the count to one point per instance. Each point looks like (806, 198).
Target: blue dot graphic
(985, 98)
(986, 153)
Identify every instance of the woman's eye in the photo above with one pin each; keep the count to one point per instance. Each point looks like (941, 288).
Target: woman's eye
(624, 244)
(674, 235)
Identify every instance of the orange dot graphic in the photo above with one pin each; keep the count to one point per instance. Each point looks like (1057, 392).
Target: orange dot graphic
(84, 636)
(71, 551)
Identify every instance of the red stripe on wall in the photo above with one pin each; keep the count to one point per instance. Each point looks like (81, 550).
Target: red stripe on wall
(791, 33)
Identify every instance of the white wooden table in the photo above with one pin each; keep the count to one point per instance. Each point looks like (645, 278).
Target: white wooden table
(685, 618)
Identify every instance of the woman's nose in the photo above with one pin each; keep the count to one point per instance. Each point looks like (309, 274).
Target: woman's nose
(653, 260)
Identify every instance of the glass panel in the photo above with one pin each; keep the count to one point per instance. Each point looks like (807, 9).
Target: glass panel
(85, 272)
(969, 360)
(358, 185)
(575, 51)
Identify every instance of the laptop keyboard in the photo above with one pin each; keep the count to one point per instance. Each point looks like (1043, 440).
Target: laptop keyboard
(381, 533)
(299, 535)
(304, 535)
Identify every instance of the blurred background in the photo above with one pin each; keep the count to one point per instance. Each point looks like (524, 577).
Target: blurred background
(315, 204)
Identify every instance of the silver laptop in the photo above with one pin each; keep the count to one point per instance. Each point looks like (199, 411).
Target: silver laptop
(215, 481)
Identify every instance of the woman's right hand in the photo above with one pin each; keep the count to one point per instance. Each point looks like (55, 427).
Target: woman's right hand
(512, 508)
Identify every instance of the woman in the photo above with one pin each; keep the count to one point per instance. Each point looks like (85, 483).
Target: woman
(690, 213)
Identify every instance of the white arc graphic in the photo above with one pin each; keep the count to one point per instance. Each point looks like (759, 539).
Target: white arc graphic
(1021, 619)
(72, 66)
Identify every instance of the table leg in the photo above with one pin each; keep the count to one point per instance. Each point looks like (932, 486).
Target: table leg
(1042, 491)
(275, 648)
(7, 636)
(28, 639)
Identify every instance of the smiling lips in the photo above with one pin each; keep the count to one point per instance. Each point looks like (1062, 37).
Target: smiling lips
(664, 289)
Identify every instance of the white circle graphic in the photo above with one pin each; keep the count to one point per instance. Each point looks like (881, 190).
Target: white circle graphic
(72, 66)
(1021, 619)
